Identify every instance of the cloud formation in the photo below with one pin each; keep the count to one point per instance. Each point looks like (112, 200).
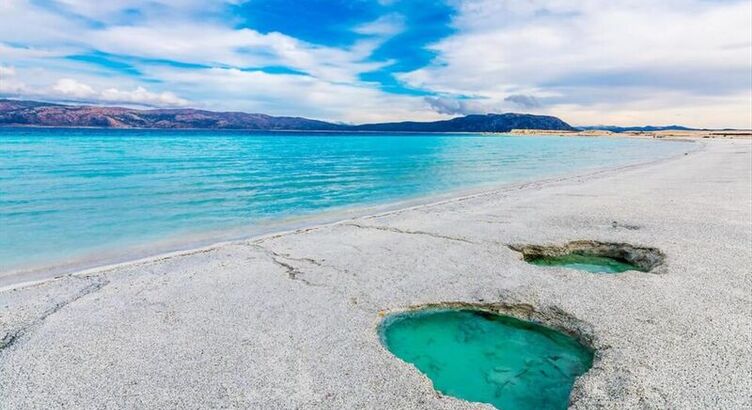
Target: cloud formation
(71, 88)
(627, 62)
(450, 106)
(524, 101)
(634, 61)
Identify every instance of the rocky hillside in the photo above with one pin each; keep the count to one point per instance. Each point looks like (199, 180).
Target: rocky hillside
(56, 115)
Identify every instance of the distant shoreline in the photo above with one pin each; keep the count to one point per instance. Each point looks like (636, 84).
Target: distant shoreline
(668, 134)
(38, 114)
(5, 126)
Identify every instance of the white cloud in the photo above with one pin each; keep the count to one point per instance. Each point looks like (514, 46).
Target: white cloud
(9, 85)
(388, 25)
(590, 61)
(7, 71)
(632, 60)
(114, 12)
(173, 35)
(222, 89)
(221, 46)
(142, 96)
(22, 22)
(331, 89)
(71, 88)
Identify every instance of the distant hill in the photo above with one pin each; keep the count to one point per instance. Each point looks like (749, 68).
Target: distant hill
(646, 128)
(32, 113)
(475, 123)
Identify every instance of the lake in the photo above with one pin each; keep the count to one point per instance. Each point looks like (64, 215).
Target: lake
(74, 195)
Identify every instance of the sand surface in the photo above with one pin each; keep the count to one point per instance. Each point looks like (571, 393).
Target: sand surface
(289, 320)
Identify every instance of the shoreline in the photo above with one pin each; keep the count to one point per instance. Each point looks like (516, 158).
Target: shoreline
(15, 278)
(290, 320)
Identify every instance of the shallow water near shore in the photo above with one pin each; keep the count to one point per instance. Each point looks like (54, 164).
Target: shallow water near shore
(67, 194)
(488, 358)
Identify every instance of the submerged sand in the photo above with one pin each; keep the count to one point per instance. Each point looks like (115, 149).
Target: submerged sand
(289, 320)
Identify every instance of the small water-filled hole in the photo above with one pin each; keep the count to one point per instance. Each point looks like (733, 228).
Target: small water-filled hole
(591, 256)
(485, 357)
(587, 263)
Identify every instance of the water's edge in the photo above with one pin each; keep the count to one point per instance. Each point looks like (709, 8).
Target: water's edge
(165, 250)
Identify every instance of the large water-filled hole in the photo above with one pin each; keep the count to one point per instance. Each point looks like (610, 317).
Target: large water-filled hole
(485, 357)
(591, 256)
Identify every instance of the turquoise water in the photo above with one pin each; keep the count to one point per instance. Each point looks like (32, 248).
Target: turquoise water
(488, 358)
(67, 194)
(587, 263)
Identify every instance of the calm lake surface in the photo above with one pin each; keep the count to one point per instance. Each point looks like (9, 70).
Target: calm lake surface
(78, 194)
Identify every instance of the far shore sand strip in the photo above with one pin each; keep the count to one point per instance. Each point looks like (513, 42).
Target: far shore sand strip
(667, 134)
(289, 320)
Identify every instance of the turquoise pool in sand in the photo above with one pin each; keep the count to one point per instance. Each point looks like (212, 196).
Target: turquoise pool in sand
(86, 194)
(488, 358)
(587, 263)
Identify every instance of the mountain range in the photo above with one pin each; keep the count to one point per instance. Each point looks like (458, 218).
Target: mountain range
(34, 113)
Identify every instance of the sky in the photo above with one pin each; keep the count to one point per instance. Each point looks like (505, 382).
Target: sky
(589, 62)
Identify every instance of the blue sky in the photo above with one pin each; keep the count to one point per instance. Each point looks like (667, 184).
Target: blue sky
(626, 62)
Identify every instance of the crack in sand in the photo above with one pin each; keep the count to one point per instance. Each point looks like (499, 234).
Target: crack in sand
(407, 232)
(9, 339)
(293, 272)
(13, 336)
(361, 302)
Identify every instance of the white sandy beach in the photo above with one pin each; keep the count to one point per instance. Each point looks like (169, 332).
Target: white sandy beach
(289, 320)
